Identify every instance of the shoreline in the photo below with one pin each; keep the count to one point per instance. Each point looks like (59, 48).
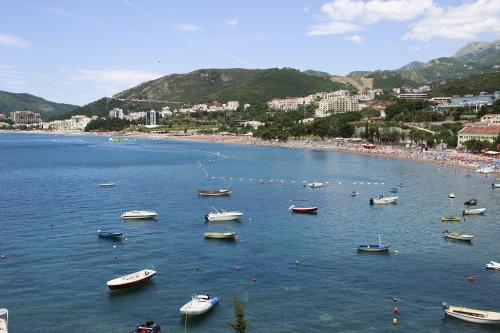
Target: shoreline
(450, 158)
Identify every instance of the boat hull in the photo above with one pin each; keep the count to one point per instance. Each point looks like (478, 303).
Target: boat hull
(383, 201)
(220, 218)
(307, 210)
(474, 211)
(114, 286)
(190, 310)
(471, 319)
(214, 193)
(220, 235)
(373, 248)
(463, 238)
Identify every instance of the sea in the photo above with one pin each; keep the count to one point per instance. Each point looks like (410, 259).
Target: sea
(291, 273)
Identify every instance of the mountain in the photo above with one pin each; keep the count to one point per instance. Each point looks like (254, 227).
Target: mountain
(387, 80)
(414, 65)
(487, 53)
(316, 73)
(10, 102)
(475, 84)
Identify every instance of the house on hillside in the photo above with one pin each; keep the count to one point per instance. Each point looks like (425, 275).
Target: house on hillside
(482, 132)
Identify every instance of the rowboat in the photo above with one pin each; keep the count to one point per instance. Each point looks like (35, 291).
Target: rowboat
(382, 200)
(131, 280)
(199, 304)
(149, 327)
(451, 195)
(4, 321)
(214, 193)
(139, 214)
(476, 211)
(215, 216)
(315, 184)
(450, 219)
(303, 210)
(108, 234)
(471, 202)
(374, 247)
(493, 265)
(457, 236)
(107, 185)
(220, 235)
(354, 194)
(472, 315)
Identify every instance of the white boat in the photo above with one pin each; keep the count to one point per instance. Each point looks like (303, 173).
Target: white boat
(485, 170)
(457, 236)
(496, 186)
(131, 280)
(493, 265)
(139, 214)
(107, 185)
(472, 315)
(476, 211)
(4, 321)
(315, 184)
(199, 304)
(451, 195)
(220, 235)
(216, 216)
(383, 200)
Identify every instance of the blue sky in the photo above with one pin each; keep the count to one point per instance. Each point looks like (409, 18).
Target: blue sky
(75, 51)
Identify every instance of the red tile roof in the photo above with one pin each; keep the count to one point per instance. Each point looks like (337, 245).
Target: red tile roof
(485, 130)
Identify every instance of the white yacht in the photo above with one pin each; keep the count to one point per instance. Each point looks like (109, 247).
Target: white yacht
(139, 214)
(215, 216)
(383, 200)
(4, 321)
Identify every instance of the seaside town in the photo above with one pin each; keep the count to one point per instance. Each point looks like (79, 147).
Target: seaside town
(249, 166)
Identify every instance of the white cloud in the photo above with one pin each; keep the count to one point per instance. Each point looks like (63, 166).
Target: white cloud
(13, 41)
(464, 22)
(345, 16)
(332, 28)
(232, 22)
(114, 80)
(65, 13)
(187, 27)
(130, 4)
(355, 39)
(306, 9)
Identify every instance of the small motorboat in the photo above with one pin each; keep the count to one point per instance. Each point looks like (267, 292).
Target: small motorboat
(107, 185)
(216, 216)
(476, 211)
(374, 247)
(354, 194)
(451, 195)
(471, 202)
(495, 185)
(199, 304)
(220, 235)
(108, 234)
(214, 193)
(472, 315)
(457, 236)
(450, 219)
(131, 280)
(493, 265)
(149, 327)
(382, 200)
(394, 190)
(139, 214)
(315, 184)
(4, 321)
(303, 210)
(485, 170)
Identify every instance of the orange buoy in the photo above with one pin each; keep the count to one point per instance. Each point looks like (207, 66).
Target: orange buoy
(471, 278)
(396, 310)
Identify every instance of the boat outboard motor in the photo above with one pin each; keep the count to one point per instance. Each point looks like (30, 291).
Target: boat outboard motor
(371, 201)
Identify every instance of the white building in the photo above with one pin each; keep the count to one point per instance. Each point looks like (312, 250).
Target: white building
(413, 95)
(75, 123)
(232, 105)
(336, 105)
(491, 119)
(135, 115)
(116, 113)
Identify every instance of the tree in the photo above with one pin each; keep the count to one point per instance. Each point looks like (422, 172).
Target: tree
(476, 146)
(240, 324)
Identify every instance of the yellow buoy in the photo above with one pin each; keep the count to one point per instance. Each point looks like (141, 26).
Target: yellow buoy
(394, 321)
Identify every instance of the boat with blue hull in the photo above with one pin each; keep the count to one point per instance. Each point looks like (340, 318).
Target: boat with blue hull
(374, 247)
(109, 234)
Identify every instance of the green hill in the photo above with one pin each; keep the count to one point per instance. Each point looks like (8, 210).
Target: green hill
(207, 85)
(388, 80)
(10, 102)
(475, 84)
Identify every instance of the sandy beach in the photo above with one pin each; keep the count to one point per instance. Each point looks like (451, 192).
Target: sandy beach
(450, 158)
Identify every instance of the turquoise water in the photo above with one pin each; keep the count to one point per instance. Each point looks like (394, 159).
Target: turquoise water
(53, 278)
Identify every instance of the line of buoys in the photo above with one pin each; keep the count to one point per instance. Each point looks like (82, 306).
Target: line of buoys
(395, 310)
(286, 181)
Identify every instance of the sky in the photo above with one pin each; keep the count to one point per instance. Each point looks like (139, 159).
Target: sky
(79, 51)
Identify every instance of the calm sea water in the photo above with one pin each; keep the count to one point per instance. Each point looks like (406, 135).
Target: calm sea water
(53, 279)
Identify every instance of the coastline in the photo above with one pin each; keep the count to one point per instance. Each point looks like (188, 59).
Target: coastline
(449, 158)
